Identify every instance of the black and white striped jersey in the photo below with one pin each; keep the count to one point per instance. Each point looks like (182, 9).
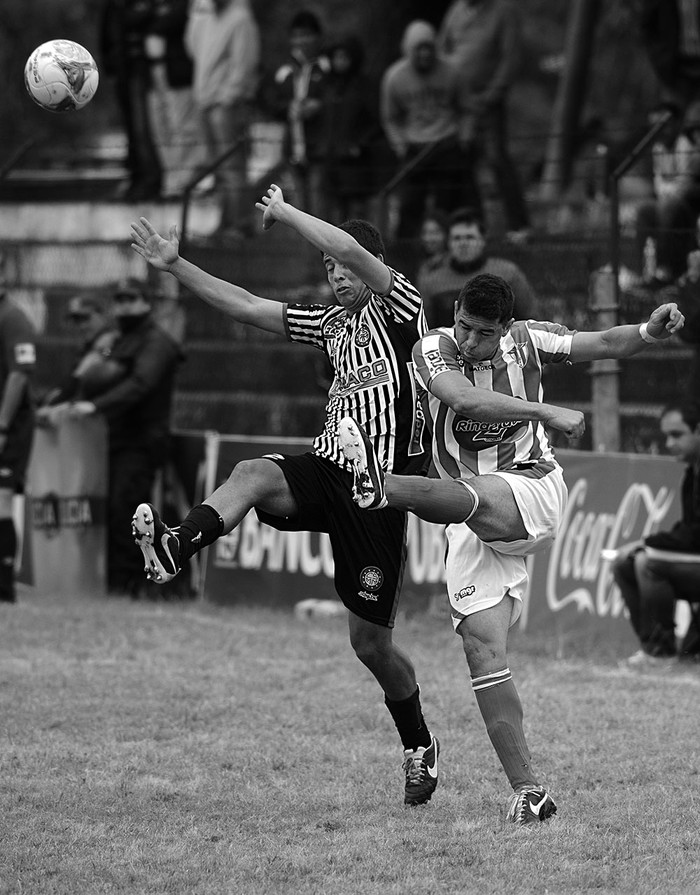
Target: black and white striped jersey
(370, 354)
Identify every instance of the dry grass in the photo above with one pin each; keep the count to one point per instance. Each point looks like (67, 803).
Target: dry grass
(192, 749)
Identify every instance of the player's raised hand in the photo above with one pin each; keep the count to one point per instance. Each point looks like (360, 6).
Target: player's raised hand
(159, 252)
(270, 205)
(571, 422)
(665, 320)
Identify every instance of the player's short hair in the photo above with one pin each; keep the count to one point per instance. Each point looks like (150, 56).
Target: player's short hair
(689, 411)
(366, 234)
(487, 296)
(468, 216)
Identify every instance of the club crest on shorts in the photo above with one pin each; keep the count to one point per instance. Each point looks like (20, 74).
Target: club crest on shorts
(371, 578)
(362, 336)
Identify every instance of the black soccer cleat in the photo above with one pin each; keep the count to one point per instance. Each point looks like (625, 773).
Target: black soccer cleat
(421, 767)
(530, 806)
(159, 544)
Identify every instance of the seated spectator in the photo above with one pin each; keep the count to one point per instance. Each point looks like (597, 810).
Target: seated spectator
(665, 223)
(665, 567)
(466, 258)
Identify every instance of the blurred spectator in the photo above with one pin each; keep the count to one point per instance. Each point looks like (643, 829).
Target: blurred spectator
(299, 95)
(671, 34)
(137, 409)
(93, 370)
(423, 118)
(433, 242)
(170, 97)
(17, 360)
(124, 26)
(223, 39)
(665, 567)
(686, 292)
(353, 132)
(483, 38)
(665, 224)
(467, 257)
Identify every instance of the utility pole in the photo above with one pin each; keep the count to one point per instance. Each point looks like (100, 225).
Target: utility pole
(605, 387)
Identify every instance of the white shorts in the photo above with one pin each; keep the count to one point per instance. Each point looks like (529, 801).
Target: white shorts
(480, 574)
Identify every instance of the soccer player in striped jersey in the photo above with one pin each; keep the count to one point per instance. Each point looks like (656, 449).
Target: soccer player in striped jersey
(367, 337)
(500, 490)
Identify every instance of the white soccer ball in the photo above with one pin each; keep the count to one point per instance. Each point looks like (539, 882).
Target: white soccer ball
(61, 76)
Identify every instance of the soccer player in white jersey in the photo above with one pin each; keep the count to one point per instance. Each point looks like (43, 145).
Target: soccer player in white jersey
(367, 338)
(501, 491)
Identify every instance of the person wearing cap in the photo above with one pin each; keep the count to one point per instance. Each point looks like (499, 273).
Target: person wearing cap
(425, 121)
(17, 361)
(137, 409)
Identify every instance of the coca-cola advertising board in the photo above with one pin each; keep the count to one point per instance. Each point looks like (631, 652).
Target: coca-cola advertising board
(614, 499)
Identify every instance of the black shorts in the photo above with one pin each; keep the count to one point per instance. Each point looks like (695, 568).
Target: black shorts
(369, 546)
(15, 456)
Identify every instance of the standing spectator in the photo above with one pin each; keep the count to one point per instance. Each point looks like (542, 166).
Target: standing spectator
(124, 26)
(137, 410)
(466, 258)
(299, 96)
(671, 34)
(353, 132)
(687, 293)
(17, 361)
(423, 119)
(666, 566)
(483, 38)
(223, 39)
(170, 97)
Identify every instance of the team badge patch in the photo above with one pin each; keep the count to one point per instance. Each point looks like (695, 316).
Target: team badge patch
(371, 578)
(362, 336)
(519, 353)
(25, 353)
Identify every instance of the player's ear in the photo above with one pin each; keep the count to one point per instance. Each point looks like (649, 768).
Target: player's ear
(507, 326)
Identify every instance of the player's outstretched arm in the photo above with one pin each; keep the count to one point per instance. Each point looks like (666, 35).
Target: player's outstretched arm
(327, 238)
(244, 306)
(624, 341)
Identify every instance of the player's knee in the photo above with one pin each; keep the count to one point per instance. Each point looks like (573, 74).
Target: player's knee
(253, 475)
(371, 646)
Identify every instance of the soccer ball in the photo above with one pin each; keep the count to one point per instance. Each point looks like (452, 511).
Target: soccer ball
(61, 76)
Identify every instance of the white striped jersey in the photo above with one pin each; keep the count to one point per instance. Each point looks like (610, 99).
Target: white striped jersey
(463, 447)
(374, 382)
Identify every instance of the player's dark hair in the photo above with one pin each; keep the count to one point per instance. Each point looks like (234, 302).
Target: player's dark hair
(366, 234)
(689, 411)
(468, 216)
(306, 21)
(487, 296)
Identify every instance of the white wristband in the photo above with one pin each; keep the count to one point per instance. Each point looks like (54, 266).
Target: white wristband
(646, 335)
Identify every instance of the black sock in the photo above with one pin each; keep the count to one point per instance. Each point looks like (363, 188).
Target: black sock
(200, 527)
(8, 548)
(409, 721)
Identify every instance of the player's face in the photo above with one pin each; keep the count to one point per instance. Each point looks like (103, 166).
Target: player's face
(681, 441)
(466, 242)
(349, 290)
(477, 337)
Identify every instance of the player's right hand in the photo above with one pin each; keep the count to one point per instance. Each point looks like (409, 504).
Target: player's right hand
(159, 252)
(571, 422)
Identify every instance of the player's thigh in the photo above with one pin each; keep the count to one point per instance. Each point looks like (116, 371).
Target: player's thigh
(498, 517)
(263, 484)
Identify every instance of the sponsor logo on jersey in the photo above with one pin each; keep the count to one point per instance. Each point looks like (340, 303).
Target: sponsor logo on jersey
(465, 592)
(365, 596)
(476, 436)
(435, 362)
(519, 353)
(371, 578)
(366, 376)
(362, 336)
(25, 353)
(333, 328)
(481, 367)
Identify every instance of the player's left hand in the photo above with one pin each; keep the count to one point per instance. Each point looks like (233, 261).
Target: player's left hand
(80, 409)
(270, 205)
(665, 320)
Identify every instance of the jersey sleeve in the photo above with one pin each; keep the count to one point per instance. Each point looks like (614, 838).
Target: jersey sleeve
(552, 341)
(434, 354)
(404, 301)
(310, 324)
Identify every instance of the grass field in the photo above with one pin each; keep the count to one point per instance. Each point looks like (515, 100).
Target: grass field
(185, 748)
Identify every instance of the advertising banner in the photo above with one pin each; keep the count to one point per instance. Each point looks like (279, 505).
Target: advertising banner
(614, 500)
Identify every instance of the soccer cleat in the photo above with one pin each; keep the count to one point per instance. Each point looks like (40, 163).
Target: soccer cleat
(158, 543)
(368, 482)
(642, 660)
(530, 806)
(421, 767)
